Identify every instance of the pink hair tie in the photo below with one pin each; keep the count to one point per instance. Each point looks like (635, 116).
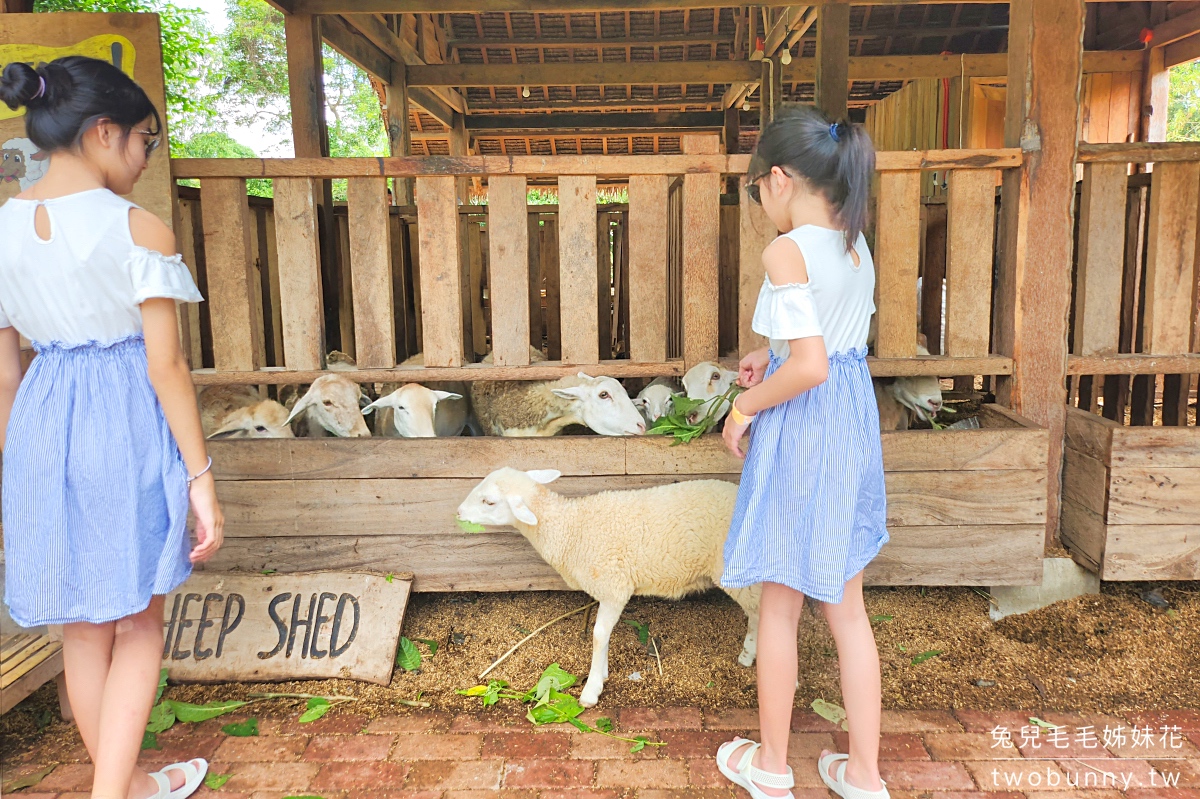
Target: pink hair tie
(41, 88)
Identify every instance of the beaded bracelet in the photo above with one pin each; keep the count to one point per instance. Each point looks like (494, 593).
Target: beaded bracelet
(193, 478)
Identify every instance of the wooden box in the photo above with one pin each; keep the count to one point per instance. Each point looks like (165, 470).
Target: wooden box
(1131, 499)
(964, 507)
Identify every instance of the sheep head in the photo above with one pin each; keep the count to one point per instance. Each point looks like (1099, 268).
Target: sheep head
(654, 401)
(334, 402)
(602, 404)
(502, 498)
(706, 381)
(266, 419)
(414, 408)
(922, 394)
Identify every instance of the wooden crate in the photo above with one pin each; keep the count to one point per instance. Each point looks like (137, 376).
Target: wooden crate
(1131, 499)
(965, 507)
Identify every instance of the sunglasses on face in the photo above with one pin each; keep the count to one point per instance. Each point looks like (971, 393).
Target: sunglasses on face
(753, 193)
(153, 141)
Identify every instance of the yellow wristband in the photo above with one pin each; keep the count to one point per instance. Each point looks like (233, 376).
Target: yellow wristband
(738, 416)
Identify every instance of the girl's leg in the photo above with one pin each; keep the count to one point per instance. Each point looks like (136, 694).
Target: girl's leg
(87, 656)
(858, 662)
(779, 617)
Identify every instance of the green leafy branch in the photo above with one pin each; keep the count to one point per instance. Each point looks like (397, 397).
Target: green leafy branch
(550, 704)
(676, 422)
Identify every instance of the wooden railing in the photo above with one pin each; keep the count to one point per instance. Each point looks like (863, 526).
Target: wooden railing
(1135, 301)
(235, 308)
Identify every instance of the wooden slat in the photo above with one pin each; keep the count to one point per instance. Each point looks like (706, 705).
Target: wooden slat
(1084, 534)
(371, 272)
(39, 674)
(755, 232)
(833, 59)
(1133, 364)
(577, 268)
(275, 310)
(441, 303)
(28, 659)
(648, 267)
(299, 274)
(970, 222)
(897, 255)
(508, 280)
(701, 254)
(1085, 481)
(1158, 552)
(550, 272)
(189, 313)
(230, 269)
(534, 247)
(1090, 434)
(1139, 152)
(552, 166)
(1101, 259)
(1151, 496)
(1170, 258)
(1155, 447)
(959, 555)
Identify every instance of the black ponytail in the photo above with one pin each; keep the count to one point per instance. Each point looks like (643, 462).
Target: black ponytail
(66, 97)
(835, 157)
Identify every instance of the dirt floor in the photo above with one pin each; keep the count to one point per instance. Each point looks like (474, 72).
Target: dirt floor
(1104, 653)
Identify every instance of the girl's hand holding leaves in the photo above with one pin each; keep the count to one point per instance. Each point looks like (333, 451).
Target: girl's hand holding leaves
(676, 423)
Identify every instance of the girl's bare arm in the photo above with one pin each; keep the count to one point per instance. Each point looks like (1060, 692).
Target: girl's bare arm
(10, 376)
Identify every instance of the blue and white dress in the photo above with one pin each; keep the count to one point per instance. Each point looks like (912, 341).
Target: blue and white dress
(811, 507)
(95, 495)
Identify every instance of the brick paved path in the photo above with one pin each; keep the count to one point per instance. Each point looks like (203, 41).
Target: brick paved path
(432, 755)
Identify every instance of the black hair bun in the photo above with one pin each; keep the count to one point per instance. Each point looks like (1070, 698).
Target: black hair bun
(19, 84)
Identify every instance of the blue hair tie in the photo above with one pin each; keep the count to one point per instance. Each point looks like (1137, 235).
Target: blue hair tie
(833, 132)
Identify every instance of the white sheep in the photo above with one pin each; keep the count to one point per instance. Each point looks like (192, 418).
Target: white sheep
(22, 161)
(654, 401)
(241, 412)
(707, 381)
(664, 541)
(331, 406)
(415, 412)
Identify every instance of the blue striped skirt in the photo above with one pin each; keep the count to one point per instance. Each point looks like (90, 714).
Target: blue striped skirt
(811, 508)
(95, 494)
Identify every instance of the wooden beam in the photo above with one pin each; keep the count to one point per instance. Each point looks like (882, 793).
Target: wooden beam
(549, 6)
(306, 85)
(399, 135)
(434, 105)
(356, 48)
(551, 42)
(1175, 29)
(1138, 152)
(1156, 92)
(400, 51)
(1182, 51)
(608, 122)
(833, 60)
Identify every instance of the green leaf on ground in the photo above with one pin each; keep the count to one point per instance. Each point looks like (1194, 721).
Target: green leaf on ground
(1045, 725)
(432, 644)
(162, 718)
(881, 617)
(317, 706)
(215, 782)
(407, 656)
(390, 577)
(830, 712)
(640, 742)
(267, 572)
(470, 527)
(162, 686)
(29, 780)
(604, 724)
(474, 690)
(924, 656)
(643, 630)
(246, 729)
(150, 740)
(189, 713)
(554, 678)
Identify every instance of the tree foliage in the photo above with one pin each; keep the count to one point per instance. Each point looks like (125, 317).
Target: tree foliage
(217, 144)
(1183, 111)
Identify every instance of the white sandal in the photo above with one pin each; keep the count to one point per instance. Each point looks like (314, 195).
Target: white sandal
(749, 776)
(164, 786)
(193, 776)
(843, 788)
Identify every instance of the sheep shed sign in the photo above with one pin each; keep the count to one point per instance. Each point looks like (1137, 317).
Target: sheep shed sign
(128, 41)
(254, 627)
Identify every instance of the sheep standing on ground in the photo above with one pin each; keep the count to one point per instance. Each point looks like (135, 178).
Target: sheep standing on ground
(331, 406)
(707, 381)
(665, 541)
(654, 401)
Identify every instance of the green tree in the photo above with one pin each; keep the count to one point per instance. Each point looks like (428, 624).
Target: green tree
(217, 144)
(252, 57)
(1183, 110)
(186, 40)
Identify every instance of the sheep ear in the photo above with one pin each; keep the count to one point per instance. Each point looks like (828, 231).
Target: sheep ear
(301, 405)
(573, 393)
(379, 403)
(639, 402)
(585, 376)
(517, 504)
(363, 400)
(544, 476)
(447, 395)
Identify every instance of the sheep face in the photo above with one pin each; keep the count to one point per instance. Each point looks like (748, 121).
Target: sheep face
(501, 498)
(603, 405)
(266, 419)
(414, 408)
(707, 381)
(334, 402)
(654, 401)
(12, 165)
(921, 394)
(22, 161)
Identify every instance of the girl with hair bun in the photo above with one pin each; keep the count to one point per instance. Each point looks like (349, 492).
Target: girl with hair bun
(103, 450)
(811, 507)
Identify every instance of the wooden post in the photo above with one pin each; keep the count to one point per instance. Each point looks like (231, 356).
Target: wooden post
(701, 250)
(1034, 292)
(833, 59)
(1156, 87)
(399, 136)
(231, 295)
(732, 132)
(371, 273)
(577, 268)
(16, 6)
(460, 144)
(299, 275)
(508, 283)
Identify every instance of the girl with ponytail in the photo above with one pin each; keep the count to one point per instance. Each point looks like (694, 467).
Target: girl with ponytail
(811, 506)
(103, 451)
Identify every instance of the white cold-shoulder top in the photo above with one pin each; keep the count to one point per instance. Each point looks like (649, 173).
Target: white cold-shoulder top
(837, 301)
(85, 282)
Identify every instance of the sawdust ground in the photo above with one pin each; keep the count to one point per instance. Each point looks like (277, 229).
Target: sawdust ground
(1103, 653)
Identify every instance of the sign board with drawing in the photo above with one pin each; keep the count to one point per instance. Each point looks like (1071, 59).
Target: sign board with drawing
(130, 42)
(255, 627)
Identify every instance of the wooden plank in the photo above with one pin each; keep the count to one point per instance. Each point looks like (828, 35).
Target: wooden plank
(604, 283)
(755, 232)
(1155, 447)
(545, 6)
(1133, 364)
(648, 267)
(971, 211)
(40, 674)
(701, 252)
(508, 279)
(343, 285)
(570, 165)
(472, 275)
(221, 627)
(550, 272)
(833, 59)
(1085, 481)
(230, 271)
(1158, 552)
(1101, 259)
(577, 268)
(1151, 496)
(534, 248)
(959, 555)
(301, 307)
(371, 273)
(271, 284)
(1170, 258)
(441, 304)
(28, 659)
(1138, 152)
(1084, 534)
(1090, 434)
(189, 313)
(897, 256)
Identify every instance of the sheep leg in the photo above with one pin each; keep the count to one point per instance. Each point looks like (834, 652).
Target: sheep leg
(606, 618)
(748, 599)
